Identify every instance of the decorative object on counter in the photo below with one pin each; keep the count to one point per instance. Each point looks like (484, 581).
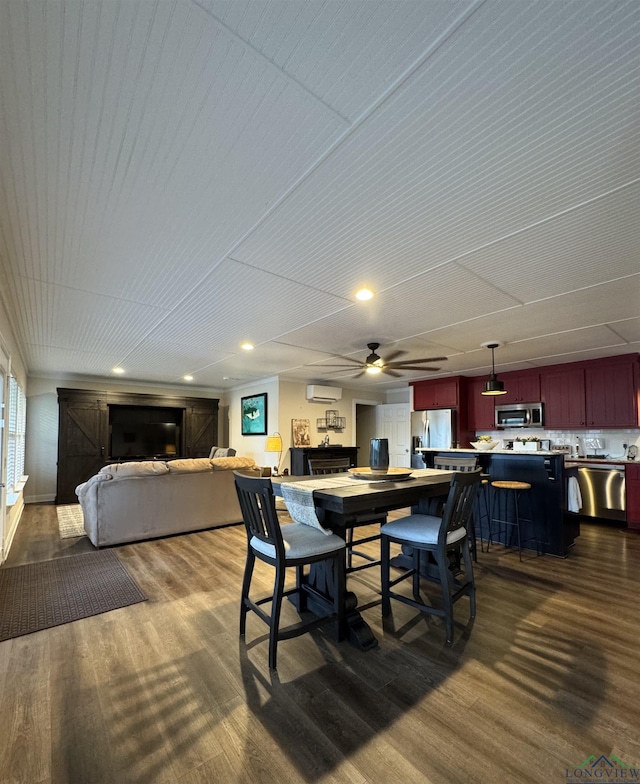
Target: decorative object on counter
(331, 421)
(379, 454)
(274, 444)
(484, 443)
(526, 444)
(493, 386)
(301, 432)
(632, 452)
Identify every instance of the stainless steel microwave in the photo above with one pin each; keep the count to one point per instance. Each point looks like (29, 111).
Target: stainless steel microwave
(519, 415)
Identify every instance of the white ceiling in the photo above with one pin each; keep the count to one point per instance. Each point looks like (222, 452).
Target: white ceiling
(177, 177)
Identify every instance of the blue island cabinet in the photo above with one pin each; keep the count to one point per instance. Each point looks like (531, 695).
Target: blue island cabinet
(551, 527)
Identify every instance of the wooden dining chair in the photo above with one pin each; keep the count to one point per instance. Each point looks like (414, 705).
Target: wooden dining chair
(291, 545)
(437, 536)
(453, 462)
(320, 466)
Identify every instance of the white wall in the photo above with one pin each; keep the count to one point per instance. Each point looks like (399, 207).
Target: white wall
(253, 446)
(286, 401)
(402, 395)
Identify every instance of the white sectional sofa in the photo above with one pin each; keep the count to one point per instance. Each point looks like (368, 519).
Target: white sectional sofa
(127, 502)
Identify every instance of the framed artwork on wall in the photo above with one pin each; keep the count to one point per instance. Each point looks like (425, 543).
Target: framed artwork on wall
(301, 432)
(254, 415)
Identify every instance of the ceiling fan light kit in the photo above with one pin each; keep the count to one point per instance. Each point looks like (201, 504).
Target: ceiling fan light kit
(493, 386)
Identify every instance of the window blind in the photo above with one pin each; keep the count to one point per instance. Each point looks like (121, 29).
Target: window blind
(17, 420)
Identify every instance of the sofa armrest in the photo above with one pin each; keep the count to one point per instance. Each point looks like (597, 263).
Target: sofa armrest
(87, 494)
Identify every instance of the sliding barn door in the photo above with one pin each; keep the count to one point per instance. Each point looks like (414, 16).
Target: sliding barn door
(82, 441)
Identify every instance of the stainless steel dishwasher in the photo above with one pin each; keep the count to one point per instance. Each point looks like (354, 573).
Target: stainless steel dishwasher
(602, 489)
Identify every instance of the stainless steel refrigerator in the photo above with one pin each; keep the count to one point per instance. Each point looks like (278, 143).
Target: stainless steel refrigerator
(435, 429)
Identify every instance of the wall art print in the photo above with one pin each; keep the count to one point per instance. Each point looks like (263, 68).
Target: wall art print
(301, 432)
(254, 415)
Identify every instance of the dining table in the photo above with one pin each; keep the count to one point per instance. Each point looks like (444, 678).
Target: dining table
(339, 501)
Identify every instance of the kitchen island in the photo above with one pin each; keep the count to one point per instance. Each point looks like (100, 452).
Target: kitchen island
(551, 527)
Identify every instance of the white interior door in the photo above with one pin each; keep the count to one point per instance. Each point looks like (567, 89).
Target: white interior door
(393, 421)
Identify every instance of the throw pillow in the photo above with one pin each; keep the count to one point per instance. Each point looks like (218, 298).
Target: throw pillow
(224, 452)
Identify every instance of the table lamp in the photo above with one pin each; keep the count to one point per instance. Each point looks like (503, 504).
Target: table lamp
(274, 444)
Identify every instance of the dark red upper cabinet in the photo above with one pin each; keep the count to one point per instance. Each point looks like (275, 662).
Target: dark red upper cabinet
(611, 396)
(439, 393)
(521, 386)
(564, 398)
(597, 393)
(480, 408)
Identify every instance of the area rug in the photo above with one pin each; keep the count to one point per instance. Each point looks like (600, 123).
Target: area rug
(70, 521)
(49, 593)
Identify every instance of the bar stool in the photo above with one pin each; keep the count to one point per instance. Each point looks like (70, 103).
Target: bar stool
(484, 507)
(514, 490)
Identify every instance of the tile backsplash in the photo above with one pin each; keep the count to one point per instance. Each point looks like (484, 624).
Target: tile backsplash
(588, 442)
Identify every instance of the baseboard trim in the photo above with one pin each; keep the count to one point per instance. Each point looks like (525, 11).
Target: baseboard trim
(39, 499)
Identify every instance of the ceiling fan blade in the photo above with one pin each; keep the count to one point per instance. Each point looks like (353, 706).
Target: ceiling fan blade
(422, 359)
(346, 371)
(351, 367)
(346, 359)
(393, 355)
(389, 372)
(417, 367)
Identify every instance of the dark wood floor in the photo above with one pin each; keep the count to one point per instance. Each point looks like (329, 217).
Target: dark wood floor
(163, 691)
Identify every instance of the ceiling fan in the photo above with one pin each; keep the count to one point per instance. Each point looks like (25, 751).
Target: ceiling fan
(374, 363)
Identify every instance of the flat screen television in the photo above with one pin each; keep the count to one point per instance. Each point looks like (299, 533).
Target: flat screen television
(144, 439)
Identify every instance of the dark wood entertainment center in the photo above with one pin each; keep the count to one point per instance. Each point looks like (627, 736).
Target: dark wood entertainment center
(85, 424)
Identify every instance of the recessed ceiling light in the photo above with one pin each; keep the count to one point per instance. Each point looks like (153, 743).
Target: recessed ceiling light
(188, 378)
(364, 294)
(118, 370)
(247, 346)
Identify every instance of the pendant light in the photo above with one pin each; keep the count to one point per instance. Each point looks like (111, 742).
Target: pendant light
(493, 386)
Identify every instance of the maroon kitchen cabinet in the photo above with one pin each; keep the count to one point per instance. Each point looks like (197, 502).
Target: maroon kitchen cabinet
(563, 394)
(480, 408)
(596, 393)
(439, 393)
(610, 393)
(521, 386)
(633, 496)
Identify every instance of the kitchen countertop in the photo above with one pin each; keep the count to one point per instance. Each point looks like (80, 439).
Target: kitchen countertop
(484, 451)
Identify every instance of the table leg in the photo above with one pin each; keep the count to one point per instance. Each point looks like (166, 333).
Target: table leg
(318, 592)
(319, 586)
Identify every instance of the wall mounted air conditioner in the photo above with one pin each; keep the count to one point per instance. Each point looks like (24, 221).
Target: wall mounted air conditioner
(319, 394)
